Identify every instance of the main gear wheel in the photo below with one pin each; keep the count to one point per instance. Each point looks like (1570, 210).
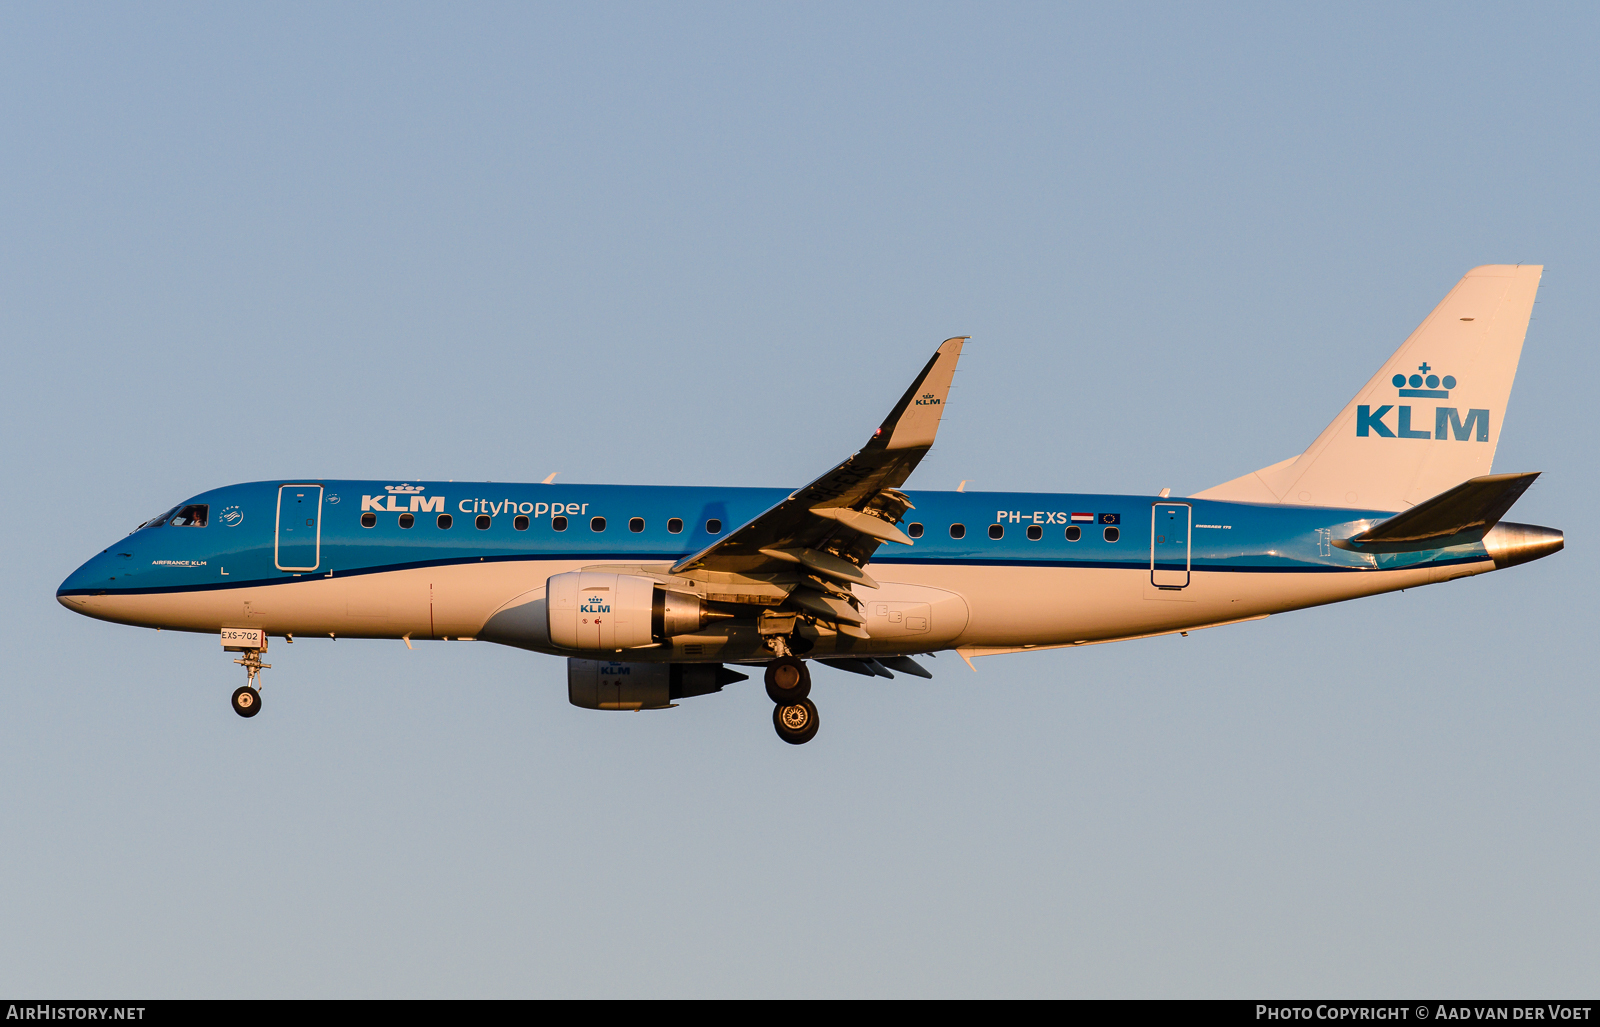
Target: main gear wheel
(788, 680)
(796, 723)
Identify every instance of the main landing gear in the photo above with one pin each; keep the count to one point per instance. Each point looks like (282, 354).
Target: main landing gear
(794, 716)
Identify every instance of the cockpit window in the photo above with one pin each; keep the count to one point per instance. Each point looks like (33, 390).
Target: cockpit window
(158, 520)
(191, 516)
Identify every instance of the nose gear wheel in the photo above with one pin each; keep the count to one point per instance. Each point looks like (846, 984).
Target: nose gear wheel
(246, 701)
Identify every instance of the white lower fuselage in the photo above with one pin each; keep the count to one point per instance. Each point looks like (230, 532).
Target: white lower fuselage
(919, 608)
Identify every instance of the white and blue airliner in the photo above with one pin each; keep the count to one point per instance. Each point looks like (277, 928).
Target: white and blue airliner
(651, 593)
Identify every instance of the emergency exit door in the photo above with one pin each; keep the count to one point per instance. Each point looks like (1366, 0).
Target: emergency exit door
(299, 542)
(1169, 545)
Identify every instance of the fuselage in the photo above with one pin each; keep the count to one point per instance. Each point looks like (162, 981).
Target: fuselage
(988, 572)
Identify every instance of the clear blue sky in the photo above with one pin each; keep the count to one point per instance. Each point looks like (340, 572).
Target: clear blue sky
(709, 245)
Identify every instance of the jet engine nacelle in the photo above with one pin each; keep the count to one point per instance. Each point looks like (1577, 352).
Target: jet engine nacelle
(610, 685)
(602, 611)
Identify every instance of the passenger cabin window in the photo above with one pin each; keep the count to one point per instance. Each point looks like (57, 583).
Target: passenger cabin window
(597, 524)
(636, 525)
(1074, 533)
(675, 525)
(483, 521)
(713, 527)
(520, 522)
(1112, 534)
(1035, 533)
(997, 531)
(958, 531)
(407, 520)
(558, 522)
(191, 516)
(445, 520)
(369, 519)
(914, 529)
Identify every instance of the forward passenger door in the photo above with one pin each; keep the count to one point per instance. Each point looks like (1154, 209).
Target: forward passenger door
(298, 546)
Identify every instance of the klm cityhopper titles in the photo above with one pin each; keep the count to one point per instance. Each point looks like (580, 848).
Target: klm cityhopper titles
(652, 593)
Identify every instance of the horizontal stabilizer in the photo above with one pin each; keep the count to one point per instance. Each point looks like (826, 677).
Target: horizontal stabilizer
(1454, 517)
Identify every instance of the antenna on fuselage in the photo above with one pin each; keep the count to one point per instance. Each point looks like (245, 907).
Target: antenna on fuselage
(550, 477)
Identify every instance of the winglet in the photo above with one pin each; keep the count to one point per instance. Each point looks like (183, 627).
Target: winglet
(914, 421)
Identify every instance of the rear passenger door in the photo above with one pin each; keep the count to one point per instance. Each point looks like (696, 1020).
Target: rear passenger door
(1169, 545)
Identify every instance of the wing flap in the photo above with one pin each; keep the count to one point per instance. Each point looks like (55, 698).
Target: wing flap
(865, 523)
(853, 666)
(827, 607)
(825, 564)
(905, 665)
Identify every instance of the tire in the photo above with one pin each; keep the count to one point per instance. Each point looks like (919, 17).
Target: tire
(788, 680)
(246, 701)
(796, 723)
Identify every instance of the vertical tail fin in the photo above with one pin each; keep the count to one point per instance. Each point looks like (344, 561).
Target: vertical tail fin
(1428, 420)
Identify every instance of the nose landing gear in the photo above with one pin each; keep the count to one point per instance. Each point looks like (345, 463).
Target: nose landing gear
(794, 716)
(247, 699)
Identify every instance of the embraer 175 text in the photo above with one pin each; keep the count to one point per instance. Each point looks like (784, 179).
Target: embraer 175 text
(650, 592)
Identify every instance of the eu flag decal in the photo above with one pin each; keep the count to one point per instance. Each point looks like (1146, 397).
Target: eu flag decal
(1110, 518)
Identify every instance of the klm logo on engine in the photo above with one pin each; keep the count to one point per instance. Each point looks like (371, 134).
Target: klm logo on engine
(594, 604)
(1448, 422)
(927, 399)
(410, 495)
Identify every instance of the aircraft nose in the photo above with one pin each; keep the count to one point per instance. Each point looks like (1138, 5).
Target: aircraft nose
(94, 576)
(1510, 544)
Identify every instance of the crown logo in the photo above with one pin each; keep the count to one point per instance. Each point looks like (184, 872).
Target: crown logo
(405, 489)
(1430, 387)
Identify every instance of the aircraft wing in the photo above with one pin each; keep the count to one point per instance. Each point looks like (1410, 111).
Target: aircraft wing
(829, 529)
